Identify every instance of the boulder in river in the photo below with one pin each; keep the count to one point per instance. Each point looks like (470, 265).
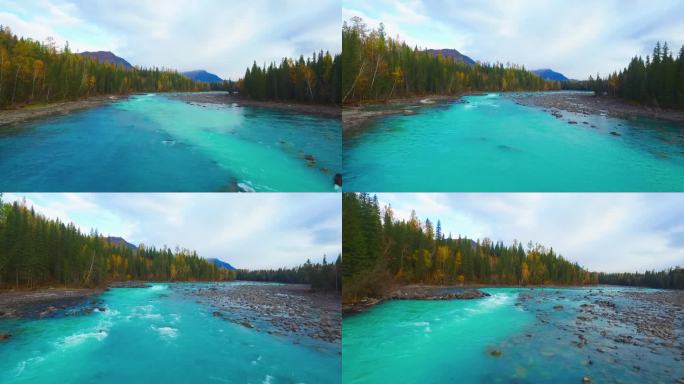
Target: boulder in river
(4, 336)
(495, 352)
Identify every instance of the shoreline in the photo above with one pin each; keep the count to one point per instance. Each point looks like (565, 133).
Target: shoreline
(283, 309)
(329, 111)
(36, 111)
(356, 117)
(45, 302)
(588, 104)
(427, 292)
(421, 292)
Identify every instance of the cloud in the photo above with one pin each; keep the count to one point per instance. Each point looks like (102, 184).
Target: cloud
(578, 38)
(248, 230)
(223, 37)
(603, 232)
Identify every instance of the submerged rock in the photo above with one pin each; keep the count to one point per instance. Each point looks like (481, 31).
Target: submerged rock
(495, 352)
(4, 336)
(615, 133)
(558, 307)
(310, 159)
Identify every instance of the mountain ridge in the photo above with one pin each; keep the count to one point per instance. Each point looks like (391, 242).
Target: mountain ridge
(203, 76)
(107, 57)
(453, 53)
(549, 74)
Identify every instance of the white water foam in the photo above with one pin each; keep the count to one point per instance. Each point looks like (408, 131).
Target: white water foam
(166, 332)
(268, 380)
(22, 364)
(79, 338)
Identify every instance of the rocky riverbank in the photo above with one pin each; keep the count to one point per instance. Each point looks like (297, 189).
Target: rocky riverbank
(634, 328)
(30, 112)
(415, 292)
(40, 303)
(587, 104)
(356, 117)
(332, 111)
(288, 309)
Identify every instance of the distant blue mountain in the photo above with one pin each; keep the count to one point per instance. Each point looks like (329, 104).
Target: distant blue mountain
(454, 54)
(220, 263)
(107, 57)
(548, 74)
(120, 241)
(203, 76)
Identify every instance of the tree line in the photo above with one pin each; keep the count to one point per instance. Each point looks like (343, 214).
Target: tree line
(35, 72)
(657, 81)
(311, 80)
(36, 251)
(377, 67)
(672, 278)
(380, 250)
(322, 276)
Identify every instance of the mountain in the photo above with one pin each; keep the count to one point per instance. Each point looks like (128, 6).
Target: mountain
(120, 241)
(548, 74)
(203, 76)
(456, 55)
(107, 57)
(220, 263)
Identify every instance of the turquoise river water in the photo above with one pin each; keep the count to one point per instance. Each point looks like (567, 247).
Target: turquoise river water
(157, 335)
(543, 336)
(490, 143)
(154, 143)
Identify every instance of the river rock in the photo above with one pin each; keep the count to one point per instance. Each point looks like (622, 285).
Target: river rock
(586, 379)
(4, 336)
(615, 133)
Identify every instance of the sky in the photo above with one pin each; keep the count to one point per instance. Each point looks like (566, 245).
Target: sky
(577, 38)
(252, 231)
(606, 232)
(221, 36)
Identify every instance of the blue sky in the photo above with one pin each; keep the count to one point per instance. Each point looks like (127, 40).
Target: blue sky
(613, 232)
(577, 38)
(264, 230)
(221, 36)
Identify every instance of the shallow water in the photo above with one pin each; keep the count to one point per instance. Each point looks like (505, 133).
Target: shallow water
(490, 143)
(450, 341)
(155, 143)
(157, 335)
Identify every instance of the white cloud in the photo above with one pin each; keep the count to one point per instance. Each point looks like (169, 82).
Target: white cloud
(576, 38)
(247, 230)
(223, 37)
(604, 232)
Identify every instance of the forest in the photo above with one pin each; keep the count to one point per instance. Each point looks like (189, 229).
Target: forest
(657, 81)
(35, 72)
(322, 276)
(376, 68)
(311, 80)
(380, 251)
(36, 251)
(672, 278)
